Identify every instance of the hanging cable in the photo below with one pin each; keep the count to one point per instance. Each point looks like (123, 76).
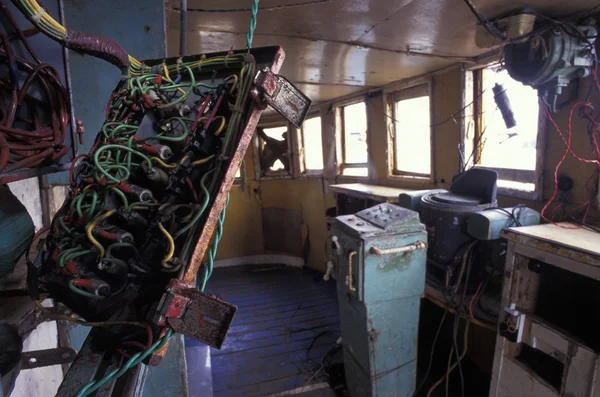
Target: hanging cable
(252, 27)
(183, 27)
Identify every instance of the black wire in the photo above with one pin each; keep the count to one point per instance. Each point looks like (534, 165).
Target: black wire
(437, 335)
(271, 8)
(489, 26)
(515, 217)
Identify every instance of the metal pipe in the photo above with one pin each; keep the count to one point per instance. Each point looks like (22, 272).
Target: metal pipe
(182, 27)
(419, 245)
(351, 286)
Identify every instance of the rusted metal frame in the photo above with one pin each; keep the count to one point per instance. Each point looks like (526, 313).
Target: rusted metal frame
(227, 182)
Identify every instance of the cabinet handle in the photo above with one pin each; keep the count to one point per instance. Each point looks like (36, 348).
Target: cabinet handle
(419, 245)
(351, 286)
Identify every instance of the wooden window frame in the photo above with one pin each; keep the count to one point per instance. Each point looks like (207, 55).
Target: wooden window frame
(534, 177)
(302, 153)
(268, 173)
(341, 140)
(410, 91)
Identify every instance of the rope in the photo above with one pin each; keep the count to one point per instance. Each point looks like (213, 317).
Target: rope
(252, 27)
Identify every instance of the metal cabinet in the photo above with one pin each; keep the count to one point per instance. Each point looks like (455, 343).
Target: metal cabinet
(547, 343)
(380, 260)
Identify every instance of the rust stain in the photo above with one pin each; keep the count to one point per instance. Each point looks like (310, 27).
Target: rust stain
(219, 203)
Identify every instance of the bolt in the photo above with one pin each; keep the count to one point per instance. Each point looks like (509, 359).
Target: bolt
(66, 355)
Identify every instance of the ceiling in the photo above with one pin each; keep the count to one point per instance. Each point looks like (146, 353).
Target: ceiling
(338, 47)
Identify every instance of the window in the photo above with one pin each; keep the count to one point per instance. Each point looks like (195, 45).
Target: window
(353, 146)
(311, 145)
(412, 132)
(512, 152)
(273, 151)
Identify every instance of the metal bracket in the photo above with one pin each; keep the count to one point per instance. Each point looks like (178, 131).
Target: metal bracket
(44, 358)
(513, 325)
(281, 95)
(195, 314)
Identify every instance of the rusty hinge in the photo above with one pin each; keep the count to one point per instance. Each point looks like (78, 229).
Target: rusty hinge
(195, 314)
(281, 95)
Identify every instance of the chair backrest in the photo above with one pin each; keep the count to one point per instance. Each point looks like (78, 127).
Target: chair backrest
(477, 182)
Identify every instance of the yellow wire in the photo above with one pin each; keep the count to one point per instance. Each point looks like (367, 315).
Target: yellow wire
(59, 316)
(166, 70)
(87, 188)
(221, 127)
(89, 229)
(171, 251)
(203, 161)
(160, 162)
(184, 159)
(47, 18)
(235, 81)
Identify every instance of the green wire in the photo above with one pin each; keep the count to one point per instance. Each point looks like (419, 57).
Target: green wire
(161, 137)
(121, 195)
(117, 147)
(253, 17)
(83, 293)
(199, 213)
(142, 204)
(120, 245)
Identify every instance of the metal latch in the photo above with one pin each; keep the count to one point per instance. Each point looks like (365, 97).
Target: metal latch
(281, 95)
(513, 324)
(195, 314)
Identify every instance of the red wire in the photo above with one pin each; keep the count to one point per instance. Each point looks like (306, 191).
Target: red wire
(569, 149)
(474, 299)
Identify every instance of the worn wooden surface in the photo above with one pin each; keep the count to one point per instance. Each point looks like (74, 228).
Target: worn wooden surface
(580, 239)
(280, 311)
(372, 192)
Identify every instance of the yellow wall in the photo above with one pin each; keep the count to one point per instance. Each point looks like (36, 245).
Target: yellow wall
(243, 235)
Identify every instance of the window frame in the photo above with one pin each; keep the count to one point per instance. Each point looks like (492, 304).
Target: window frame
(273, 174)
(340, 138)
(474, 84)
(304, 172)
(412, 89)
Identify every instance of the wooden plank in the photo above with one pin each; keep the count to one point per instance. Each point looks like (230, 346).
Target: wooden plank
(256, 355)
(286, 313)
(276, 367)
(372, 192)
(280, 314)
(581, 240)
(254, 340)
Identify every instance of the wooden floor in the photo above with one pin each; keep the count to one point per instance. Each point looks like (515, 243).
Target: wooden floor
(281, 310)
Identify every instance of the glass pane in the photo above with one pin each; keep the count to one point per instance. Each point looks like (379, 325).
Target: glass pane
(355, 133)
(514, 148)
(277, 147)
(313, 145)
(238, 174)
(278, 133)
(413, 136)
(525, 187)
(361, 171)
